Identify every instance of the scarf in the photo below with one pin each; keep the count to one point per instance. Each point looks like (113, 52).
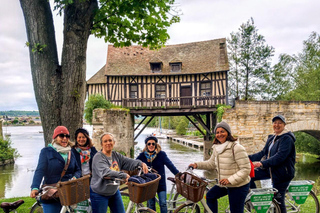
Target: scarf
(84, 154)
(150, 156)
(63, 151)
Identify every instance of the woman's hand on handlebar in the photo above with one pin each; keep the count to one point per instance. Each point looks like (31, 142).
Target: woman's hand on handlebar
(34, 193)
(193, 165)
(145, 168)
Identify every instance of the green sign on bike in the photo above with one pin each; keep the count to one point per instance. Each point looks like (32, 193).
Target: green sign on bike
(83, 207)
(299, 192)
(261, 202)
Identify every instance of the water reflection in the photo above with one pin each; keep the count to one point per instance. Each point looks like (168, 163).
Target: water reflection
(15, 180)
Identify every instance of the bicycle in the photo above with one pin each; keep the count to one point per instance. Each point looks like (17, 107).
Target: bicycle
(11, 207)
(301, 198)
(71, 193)
(139, 193)
(37, 208)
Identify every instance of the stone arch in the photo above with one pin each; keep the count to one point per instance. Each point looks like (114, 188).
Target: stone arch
(251, 121)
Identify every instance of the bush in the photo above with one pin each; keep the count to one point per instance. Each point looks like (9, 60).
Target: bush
(6, 151)
(182, 127)
(94, 102)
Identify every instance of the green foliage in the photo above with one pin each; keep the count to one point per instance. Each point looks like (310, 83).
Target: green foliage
(249, 59)
(306, 143)
(281, 79)
(15, 113)
(15, 121)
(306, 69)
(316, 187)
(38, 48)
(6, 151)
(94, 102)
(220, 110)
(182, 127)
(142, 22)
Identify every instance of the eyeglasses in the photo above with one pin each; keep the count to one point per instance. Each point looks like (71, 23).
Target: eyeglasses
(64, 135)
(151, 144)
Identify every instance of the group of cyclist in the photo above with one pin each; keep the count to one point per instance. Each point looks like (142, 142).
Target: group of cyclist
(229, 160)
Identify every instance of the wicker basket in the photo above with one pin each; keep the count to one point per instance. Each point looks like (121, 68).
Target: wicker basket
(139, 193)
(190, 186)
(74, 191)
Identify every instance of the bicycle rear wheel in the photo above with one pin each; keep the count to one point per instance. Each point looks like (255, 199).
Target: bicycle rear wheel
(311, 205)
(36, 208)
(188, 208)
(274, 207)
(145, 209)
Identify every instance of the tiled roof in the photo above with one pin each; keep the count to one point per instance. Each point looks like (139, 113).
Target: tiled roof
(99, 77)
(196, 57)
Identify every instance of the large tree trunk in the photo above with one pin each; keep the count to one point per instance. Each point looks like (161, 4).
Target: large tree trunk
(59, 90)
(78, 19)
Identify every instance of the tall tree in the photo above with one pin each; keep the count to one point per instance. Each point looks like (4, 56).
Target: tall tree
(307, 82)
(60, 87)
(250, 60)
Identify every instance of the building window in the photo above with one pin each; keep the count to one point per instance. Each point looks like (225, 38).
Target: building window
(160, 91)
(205, 89)
(133, 91)
(156, 67)
(175, 67)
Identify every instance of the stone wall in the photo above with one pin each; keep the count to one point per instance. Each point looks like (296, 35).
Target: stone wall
(119, 122)
(251, 121)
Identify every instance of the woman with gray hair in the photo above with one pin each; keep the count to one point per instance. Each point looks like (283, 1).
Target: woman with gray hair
(108, 164)
(231, 162)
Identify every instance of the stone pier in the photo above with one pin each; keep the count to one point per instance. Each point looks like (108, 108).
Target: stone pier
(117, 121)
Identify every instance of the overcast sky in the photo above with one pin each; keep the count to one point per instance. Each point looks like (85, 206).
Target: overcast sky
(284, 23)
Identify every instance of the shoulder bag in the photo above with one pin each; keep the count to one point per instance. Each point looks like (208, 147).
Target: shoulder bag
(52, 193)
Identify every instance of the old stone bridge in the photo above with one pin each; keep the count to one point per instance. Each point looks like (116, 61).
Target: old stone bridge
(251, 121)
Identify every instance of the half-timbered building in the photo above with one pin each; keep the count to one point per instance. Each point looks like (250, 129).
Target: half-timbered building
(182, 79)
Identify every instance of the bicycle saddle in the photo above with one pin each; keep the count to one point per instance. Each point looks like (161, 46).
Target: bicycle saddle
(171, 179)
(7, 207)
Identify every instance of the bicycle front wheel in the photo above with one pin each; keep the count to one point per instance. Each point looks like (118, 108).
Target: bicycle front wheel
(36, 208)
(188, 208)
(274, 207)
(311, 205)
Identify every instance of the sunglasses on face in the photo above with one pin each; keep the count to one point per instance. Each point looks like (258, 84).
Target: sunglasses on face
(151, 144)
(64, 135)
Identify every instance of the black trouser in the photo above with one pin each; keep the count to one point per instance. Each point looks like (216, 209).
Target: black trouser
(263, 174)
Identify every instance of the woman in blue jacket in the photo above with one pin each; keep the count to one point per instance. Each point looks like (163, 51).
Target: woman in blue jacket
(157, 159)
(84, 150)
(51, 163)
(276, 160)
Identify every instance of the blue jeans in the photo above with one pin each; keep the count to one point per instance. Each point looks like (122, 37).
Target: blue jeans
(100, 203)
(237, 196)
(262, 174)
(51, 207)
(162, 202)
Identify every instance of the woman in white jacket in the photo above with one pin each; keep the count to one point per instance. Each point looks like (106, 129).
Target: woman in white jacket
(231, 162)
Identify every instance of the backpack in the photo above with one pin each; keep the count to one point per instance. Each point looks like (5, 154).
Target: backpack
(252, 175)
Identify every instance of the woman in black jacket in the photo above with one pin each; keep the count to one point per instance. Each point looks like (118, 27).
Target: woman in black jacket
(276, 160)
(84, 150)
(157, 159)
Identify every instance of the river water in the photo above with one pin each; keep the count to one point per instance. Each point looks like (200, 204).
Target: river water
(15, 180)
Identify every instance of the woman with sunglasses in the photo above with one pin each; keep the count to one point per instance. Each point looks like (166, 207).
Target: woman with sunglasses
(84, 150)
(52, 161)
(157, 159)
